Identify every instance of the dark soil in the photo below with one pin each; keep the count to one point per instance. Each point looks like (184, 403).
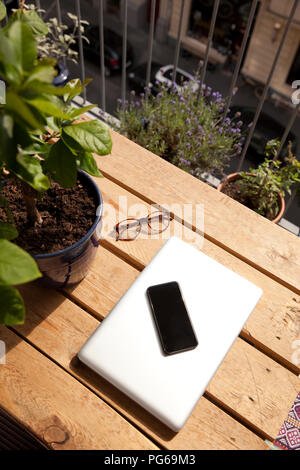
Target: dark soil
(232, 189)
(67, 215)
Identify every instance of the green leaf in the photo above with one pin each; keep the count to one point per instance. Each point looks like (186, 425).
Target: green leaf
(8, 148)
(61, 164)
(72, 88)
(87, 163)
(29, 169)
(12, 310)
(16, 105)
(35, 23)
(47, 107)
(8, 231)
(8, 61)
(92, 136)
(39, 86)
(74, 112)
(41, 73)
(28, 143)
(16, 266)
(24, 44)
(2, 11)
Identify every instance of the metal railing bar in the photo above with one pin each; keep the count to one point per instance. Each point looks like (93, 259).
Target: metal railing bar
(267, 85)
(150, 44)
(178, 42)
(288, 204)
(58, 11)
(124, 54)
(102, 64)
(209, 44)
(81, 56)
(288, 128)
(59, 19)
(240, 56)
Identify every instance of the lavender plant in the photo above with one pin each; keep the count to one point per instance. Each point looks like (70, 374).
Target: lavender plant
(187, 130)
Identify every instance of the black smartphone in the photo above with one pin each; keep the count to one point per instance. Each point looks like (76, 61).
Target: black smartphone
(171, 317)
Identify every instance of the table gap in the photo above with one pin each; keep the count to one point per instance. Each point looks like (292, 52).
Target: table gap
(208, 237)
(85, 384)
(218, 403)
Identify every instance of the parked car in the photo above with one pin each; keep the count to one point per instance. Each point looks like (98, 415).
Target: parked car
(267, 128)
(165, 75)
(137, 78)
(113, 49)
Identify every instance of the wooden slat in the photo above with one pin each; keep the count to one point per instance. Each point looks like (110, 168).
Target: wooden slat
(14, 436)
(55, 406)
(274, 326)
(59, 328)
(229, 224)
(251, 384)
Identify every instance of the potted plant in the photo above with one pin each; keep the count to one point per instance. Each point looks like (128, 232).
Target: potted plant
(182, 126)
(49, 206)
(263, 189)
(54, 40)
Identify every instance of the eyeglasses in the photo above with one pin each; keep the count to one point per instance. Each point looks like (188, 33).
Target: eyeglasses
(129, 229)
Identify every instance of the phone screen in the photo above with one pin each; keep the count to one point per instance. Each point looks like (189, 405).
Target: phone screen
(171, 317)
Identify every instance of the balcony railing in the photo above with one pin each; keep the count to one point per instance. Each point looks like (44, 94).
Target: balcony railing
(235, 75)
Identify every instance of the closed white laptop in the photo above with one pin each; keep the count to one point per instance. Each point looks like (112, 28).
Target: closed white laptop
(125, 349)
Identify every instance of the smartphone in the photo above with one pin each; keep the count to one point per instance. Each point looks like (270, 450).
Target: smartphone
(174, 327)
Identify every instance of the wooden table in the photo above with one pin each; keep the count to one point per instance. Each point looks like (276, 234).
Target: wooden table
(64, 404)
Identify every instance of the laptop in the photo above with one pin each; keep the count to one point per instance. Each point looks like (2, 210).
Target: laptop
(125, 349)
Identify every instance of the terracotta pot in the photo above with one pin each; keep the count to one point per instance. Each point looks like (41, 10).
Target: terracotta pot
(236, 176)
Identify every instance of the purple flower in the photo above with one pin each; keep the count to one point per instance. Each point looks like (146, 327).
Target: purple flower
(185, 162)
(188, 121)
(189, 133)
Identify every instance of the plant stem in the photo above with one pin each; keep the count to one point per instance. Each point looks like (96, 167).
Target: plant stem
(30, 197)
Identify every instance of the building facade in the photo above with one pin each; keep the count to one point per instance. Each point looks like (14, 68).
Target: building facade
(270, 20)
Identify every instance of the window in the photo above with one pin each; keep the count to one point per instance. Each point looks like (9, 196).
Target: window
(230, 25)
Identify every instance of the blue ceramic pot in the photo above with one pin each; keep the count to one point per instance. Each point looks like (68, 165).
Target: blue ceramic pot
(69, 266)
(63, 75)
